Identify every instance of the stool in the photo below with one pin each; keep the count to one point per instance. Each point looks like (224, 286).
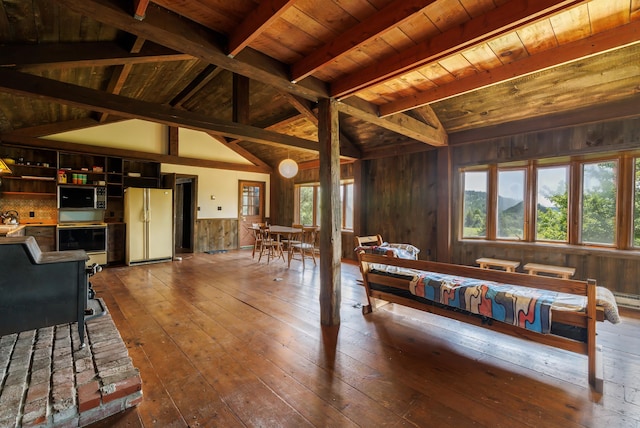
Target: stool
(560, 271)
(508, 265)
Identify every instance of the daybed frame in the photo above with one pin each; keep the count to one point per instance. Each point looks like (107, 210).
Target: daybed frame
(586, 320)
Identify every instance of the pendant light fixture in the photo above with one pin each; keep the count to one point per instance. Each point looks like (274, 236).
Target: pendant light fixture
(288, 168)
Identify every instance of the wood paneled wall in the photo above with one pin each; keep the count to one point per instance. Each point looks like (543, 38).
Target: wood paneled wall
(617, 270)
(400, 200)
(216, 234)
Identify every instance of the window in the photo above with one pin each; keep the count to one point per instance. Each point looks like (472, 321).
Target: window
(475, 204)
(636, 203)
(588, 200)
(551, 203)
(598, 203)
(308, 204)
(510, 209)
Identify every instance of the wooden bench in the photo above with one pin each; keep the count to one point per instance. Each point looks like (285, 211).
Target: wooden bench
(487, 262)
(395, 288)
(559, 271)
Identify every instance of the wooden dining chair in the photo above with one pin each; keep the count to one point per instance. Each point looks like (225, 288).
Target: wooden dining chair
(292, 238)
(306, 247)
(258, 235)
(271, 245)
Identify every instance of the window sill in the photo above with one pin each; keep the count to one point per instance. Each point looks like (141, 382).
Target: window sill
(556, 248)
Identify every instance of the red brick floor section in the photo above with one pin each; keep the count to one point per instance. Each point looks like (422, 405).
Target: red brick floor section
(46, 379)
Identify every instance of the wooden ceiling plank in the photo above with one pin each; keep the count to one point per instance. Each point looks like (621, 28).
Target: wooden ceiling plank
(402, 124)
(34, 57)
(140, 9)
(125, 153)
(597, 113)
(506, 17)
(386, 19)
(256, 22)
(174, 32)
(593, 45)
(65, 93)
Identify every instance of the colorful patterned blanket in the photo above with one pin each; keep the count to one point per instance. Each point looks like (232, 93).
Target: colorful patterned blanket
(521, 306)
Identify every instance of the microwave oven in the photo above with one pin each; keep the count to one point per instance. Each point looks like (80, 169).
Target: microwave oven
(82, 197)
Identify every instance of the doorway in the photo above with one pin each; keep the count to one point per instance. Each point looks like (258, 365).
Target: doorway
(185, 191)
(251, 209)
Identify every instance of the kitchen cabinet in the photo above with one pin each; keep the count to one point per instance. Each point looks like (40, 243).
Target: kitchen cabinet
(45, 236)
(115, 243)
(137, 173)
(33, 172)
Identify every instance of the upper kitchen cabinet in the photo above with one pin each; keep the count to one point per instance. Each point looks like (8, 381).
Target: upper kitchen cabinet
(84, 165)
(33, 172)
(114, 177)
(138, 173)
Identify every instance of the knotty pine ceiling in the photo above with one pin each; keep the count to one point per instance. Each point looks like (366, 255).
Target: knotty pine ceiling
(407, 74)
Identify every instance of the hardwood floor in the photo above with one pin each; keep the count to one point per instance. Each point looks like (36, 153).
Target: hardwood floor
(222, 340)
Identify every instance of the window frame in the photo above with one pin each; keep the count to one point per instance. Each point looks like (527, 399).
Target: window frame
(625, 197)
(316, 202)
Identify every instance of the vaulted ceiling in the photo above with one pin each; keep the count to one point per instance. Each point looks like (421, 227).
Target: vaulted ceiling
(409, 74)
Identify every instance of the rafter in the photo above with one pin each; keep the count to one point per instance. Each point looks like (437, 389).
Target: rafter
(346, 145)
(140, 9)
(65, 93)
(506, 17)
(207, 75)
(400, 123)
(598, 43)
(120, 74)
(59, 127)
(169, 30)
(90, 54)
(386, 19)
(256, 22)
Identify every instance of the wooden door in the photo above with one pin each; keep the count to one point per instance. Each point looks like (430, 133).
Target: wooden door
(251, 209)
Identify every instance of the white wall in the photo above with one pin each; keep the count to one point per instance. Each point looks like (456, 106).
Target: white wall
(222, 184)
(151, 137)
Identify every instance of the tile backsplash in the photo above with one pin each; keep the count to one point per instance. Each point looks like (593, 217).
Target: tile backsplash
(44, 209)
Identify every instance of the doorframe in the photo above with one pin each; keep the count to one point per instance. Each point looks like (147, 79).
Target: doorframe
(171, 180)
(263, 203)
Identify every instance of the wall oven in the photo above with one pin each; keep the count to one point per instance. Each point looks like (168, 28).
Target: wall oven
(91, 237)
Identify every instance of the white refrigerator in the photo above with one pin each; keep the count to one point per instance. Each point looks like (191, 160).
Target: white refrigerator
(148, 214)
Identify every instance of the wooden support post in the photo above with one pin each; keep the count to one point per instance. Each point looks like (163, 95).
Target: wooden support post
(443, 236)
(330, 222)
(173, 149)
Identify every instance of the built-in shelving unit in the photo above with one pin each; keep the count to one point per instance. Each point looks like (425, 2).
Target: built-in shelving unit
(35, 171)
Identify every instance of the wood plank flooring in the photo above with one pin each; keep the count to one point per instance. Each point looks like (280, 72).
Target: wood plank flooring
(222, 340)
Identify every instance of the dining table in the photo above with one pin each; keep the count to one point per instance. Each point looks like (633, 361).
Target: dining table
(281, 235)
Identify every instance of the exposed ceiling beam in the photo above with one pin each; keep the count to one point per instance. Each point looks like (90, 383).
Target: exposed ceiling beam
(346, 145)
(256, 22)
(170, 30)
(90, 54)
(39, 87)
(386, 19)
(167, 29)
(400, 123)
(119, 76)
(241, 151)
(201, 80)
(598, 43)
(140, 9)
(505, 18)
(60, 127)
(111, 151)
